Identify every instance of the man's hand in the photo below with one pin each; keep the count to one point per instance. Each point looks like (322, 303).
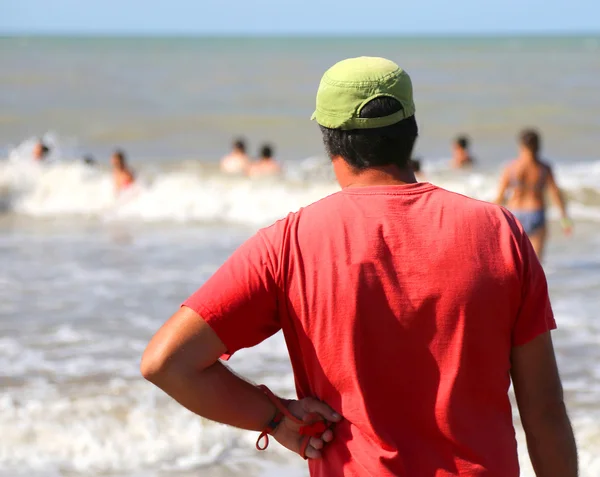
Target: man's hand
(308, 410)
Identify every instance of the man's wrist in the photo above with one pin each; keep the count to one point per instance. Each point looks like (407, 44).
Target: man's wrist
(274, 423)
(269, 416)
(274, 403)
(278, 414)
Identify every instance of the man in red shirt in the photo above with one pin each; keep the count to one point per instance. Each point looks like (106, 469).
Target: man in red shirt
(406, 309)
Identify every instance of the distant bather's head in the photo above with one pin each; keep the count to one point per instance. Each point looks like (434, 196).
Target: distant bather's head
(118, 159)
(40, 151)
(266, 152)
(529, 139)
(462, 142)
(239, 146)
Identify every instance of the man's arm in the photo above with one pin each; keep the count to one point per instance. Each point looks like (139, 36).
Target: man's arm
(182, 360)
(539, 394)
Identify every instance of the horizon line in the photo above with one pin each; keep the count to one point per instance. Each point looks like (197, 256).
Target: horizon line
(303, 35)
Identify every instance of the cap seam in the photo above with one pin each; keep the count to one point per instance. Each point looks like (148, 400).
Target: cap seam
(334, 82)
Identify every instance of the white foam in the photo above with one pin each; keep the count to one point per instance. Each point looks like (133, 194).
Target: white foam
(125, 426)
(74, 189)
(71, 356)
(58, 148)
(195, 192)
(128, 426)
(63, 189)
(119, 426)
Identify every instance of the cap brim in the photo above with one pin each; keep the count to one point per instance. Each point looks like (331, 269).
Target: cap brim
(313, 116)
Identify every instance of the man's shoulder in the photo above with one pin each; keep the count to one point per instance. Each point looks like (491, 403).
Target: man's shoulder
(472, 208)
(307, 214)
(319, 215)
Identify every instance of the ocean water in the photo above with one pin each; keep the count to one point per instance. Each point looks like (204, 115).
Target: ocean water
(87, 278)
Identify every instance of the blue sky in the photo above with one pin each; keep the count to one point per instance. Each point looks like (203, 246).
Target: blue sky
(299, 17)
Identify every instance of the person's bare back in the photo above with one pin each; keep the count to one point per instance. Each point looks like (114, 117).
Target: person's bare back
(266, 165)
(528, 178)
(237, 161)
(528, 182)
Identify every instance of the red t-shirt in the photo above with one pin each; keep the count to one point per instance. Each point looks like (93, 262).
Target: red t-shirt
(399, 306)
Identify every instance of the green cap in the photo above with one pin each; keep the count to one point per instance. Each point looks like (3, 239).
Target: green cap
(350, 84)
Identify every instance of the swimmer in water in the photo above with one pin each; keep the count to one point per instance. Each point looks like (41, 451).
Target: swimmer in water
(237, 161)
(461, 157)
(266, 165)
(528, 178)
(122, 175)
(40, 151)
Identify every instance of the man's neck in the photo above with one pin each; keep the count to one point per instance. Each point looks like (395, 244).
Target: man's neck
(372, 176)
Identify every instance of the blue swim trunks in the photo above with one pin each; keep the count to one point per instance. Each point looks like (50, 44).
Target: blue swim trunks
(531, 220)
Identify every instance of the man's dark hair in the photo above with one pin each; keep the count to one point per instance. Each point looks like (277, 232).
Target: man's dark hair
(239, 144)
(415, 163)
(266, 151)
(363, 148)
(530, 139)
(462, 142)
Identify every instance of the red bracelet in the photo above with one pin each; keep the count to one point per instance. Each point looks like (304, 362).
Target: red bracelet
(316, 429)
(270, 429)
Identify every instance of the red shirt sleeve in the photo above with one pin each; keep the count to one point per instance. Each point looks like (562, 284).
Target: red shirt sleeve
(535, 314)
(239, 301)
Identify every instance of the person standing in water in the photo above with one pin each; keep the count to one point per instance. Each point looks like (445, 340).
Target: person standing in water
(40, 151)
(122, 174)
(528, 178)
(237, 161)
(266, 165)
(461, 157)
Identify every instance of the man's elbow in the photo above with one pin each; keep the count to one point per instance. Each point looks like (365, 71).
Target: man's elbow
(154, 365)
(162, 368)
